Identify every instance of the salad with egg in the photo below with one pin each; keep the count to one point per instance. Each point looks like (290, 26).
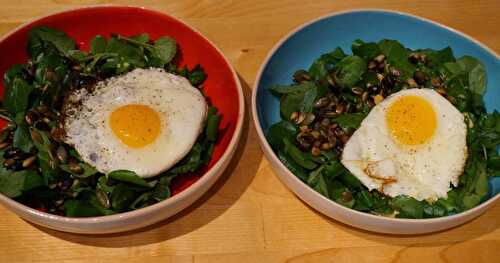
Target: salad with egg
(104, 131)
(389, 130)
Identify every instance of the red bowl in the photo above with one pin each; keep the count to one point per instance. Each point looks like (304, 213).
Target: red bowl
(222, 87)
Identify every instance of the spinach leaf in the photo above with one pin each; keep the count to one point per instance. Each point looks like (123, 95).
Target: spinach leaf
(296, 169)
(11, 183)
(280, 130)
(83, 208)
(301, 100)
(32, 180)
(16, 97)
(408, 207)
(470, 71)
(122, 197)
(436, 58)
(164, 49)
(128, 177)
(295, 88)
(191, 162)
(98, 45)
(22, 137)
(350, 120)
(321, 66)
(397, 56)
(298, 156)
(349, 71)
(365, 50)
(317, 181)
(197, 75)
(39, 37)
(162, 189)
(212, 126)
(364, 201)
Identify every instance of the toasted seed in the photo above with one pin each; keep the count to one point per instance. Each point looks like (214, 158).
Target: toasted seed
(301, 75)
(381, 66)
(395, 72)
(344, 138)
(315, 134)
(340, 108)
(322, 102)
(378, 98)
(332, 139)
(42, 109)
(304, 128)
(412, 83)
(75, 168)
(317, 144)
(35, 135)
(326, 146)
(330, 80)
(414, 58)
(346, 196)
(348, 107)
(301, 118)
(103, 198)
(420, 77)
(372, 64)
(325, 122)
(441, 91)
(364, 96)
(9, 162)
(294, 116)
(380, 77)
(12, 152)
(435, 82)
(29, 161)
(357, 90)
(315, 151)
(31, 117)
(330, 114)
(4, 145)
(62, 154)
(57, 134)
(59, 202)
(379, 58)
(309, 118)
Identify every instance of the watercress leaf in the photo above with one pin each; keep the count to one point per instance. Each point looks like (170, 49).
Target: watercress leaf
(450, 203)
(78, 55)
(11, 183)
(397, 56)
(431, 211)
(162, 189)
(128, 53)
(39, 36)
(98, 45)
(280, 130)
(296, 169)
(365, 50)
(350, 120)
(322, 65)
(295, 88)
(80, 208)
(142, 38)
(437, 58)
(128, 177)
(408, 207)
(32, 180)
(165, 49)
(349, 71)
(122, 197)
(16, 96)
(15, 71)
(212, 127)
(298, 156)
(197, 75)
(191, 162)
(477, 79)
(299, 101)
(22, 137)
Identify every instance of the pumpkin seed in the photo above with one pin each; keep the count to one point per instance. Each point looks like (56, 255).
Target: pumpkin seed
(322, 102)
(364, 96)
(308, 118)
(340, 108)
(103, 198)
(372, 64)
(379, 58)
(326, 146)
(357, 90)
(315, 151)
(9, 162)
(36, 136)
(75, 168)
(62, 154)
(412, 83)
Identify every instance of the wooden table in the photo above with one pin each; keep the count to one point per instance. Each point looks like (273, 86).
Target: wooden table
(249, 216)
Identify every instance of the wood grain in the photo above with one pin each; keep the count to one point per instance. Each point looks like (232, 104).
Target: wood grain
(249, 216)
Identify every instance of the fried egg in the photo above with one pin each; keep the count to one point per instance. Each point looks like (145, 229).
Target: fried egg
(412, 143)
(143, 121)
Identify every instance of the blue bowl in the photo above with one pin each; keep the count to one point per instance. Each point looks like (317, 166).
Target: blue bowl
(299, 49)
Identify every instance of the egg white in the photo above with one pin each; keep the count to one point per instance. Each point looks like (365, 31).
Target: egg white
(421, 171)
(182, 109)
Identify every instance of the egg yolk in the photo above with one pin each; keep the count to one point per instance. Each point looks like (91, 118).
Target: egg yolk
(412, 120)
(135, 125)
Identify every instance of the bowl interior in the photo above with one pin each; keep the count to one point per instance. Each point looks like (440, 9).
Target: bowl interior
(300, 49)
(83, 24)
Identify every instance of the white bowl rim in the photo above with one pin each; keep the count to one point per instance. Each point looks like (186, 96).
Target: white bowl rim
(190, 190)
(267, 148)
